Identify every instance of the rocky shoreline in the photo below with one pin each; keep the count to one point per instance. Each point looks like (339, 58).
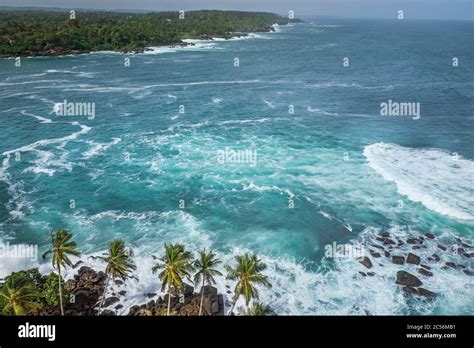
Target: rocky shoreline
(207, 36)
(411, 252)
(87, 286)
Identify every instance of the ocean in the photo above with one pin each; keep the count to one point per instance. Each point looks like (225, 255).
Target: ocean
(272, 143)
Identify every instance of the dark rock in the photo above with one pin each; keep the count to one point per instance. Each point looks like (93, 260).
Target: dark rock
(380, 239)
(416, 247)
(110, 301)
(387, 254)
(425, 272)
(378, 246)
(210, 291)
(426, 293)
(374, 254)
(151, 294)
(107, 312)
(468, 272)
(215, 307)
(398, 260)
(413, 241)
(410, 290)
(425, 266)
(442, 247)
(118, 282)
(430, 235)
(150, 304)
(407, 279)
(388, 241)
(363, 274)
(365, 261)
(84, 269)
(370, 274)
(435, 257)
(119, 306)
(122, 293)
(413, 259)
(451, 264)
(385, 234)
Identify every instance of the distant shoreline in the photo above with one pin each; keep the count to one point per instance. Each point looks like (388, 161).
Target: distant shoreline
(127, 33)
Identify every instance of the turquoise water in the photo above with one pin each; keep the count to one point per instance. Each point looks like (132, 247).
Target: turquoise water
(343, 167)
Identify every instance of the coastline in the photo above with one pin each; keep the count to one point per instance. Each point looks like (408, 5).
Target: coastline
(183, 43)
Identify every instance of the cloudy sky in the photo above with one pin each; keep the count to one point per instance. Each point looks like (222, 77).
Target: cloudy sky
(414, 9)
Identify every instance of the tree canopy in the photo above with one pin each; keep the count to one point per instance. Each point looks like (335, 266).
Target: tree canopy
(30, 33)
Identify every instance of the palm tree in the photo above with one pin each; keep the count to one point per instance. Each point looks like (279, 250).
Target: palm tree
(20, 296)
(175, 264)
(120, 264)
(259, 309)
(62, 247)
(247, 273)
(205, 271)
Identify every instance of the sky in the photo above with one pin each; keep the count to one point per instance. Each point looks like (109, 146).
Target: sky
(413, 9)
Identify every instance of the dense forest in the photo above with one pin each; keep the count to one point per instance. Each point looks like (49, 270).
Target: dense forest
(32, 33)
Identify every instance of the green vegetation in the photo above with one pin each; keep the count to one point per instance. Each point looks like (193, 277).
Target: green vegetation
(62, 247)
(175, 264)
(119, 264)
(31, 33)
(205, 271)
(248, 274)
(28, 292)
(258, 309)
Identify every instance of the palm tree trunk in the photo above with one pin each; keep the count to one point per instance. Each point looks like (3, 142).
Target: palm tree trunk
(202, 297)
(233, 304)
(103, 295)
(169, 301)
(60, 291)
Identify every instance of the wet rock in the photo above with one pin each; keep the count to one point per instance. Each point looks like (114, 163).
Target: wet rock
(122, 293)
(387, 254)
(435, 257)
(426, 293)
(413, 241)
(413, 259)
(425, 272)
(442, 247)
(380, 239)
(430, 235)
(410, 290)
(363, 274)
(407, 279)
(388, 241)
(107, 312)
(375, 254)
(425, 266)
(398, 260)
(118, 282)
(451, 264)
(119, 306)
(416, 247)
(110, 301)
(468, 272)
(151, 294)
(385, 234)
(370, 274)
(365, 261)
